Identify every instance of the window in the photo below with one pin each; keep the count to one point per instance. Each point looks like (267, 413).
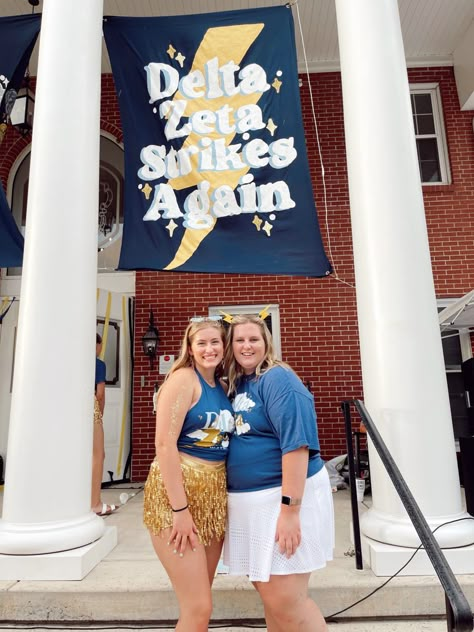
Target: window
(109, 239)
(112, 350)
(272, 321)
(430, 134)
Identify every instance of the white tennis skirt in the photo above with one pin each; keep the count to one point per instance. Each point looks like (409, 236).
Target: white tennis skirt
(250, 547)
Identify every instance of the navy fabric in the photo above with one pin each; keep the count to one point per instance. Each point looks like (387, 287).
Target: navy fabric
(274, 415)
(11, 240)
(17, 38)
(217, 176)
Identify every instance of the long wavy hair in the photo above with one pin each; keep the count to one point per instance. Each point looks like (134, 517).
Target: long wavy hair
(232, 368)
(185, 359)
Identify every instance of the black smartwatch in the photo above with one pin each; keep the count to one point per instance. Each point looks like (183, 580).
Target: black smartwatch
(288, 500)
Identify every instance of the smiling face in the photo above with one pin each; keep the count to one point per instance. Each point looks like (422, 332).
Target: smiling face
(248, 346)
(207, 348)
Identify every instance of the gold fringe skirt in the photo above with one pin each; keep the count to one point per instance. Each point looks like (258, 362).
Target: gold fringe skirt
(206, 493)
(97, 413)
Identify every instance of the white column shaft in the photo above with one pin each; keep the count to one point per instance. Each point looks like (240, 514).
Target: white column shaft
(48, 475)
(404, 378)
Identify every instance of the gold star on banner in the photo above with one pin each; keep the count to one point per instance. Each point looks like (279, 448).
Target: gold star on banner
(171, 51)
(257, 221)
(277, 84)
(147, 190)
(271, 127)
(171, 227)
(267, 228)
(180, 59)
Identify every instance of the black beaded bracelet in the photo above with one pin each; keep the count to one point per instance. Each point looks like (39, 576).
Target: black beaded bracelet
(177, 510)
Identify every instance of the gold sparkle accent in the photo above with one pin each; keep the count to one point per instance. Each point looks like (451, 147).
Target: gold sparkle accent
(271, 127)
(173, 430)
(147, 190)
(277, 84)
(171, 227)
(267, 228)
(257, 221)
(171, 50)
(180, 59)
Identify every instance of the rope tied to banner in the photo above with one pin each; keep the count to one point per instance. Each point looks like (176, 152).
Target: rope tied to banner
(318, 142)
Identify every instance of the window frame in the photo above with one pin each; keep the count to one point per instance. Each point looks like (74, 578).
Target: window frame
(433, 90)
(273, 309)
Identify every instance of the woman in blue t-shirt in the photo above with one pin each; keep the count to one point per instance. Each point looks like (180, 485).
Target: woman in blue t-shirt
(280, 513)
(185, 493)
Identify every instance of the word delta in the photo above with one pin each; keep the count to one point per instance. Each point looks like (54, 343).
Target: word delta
(163, 81)
(202, 209)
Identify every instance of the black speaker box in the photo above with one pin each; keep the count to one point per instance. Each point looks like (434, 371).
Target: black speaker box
(466, 445)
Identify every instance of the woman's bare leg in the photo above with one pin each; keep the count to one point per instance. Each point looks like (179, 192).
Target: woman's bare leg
(98, 456)
(288, 607)
(191, 579)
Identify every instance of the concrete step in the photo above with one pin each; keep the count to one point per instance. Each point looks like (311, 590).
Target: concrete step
(414, 625)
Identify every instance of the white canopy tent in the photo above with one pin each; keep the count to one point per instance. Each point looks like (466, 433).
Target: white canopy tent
(458, 315)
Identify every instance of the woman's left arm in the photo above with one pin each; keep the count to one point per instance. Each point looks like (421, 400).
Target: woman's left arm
(288, 531)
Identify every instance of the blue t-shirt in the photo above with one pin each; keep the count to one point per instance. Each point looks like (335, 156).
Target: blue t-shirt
(100, 370)
(274, 414)
(208, 424)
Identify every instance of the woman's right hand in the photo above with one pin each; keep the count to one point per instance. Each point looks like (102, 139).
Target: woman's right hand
(183, 531)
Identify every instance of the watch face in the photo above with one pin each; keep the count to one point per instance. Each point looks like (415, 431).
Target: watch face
(286, 500)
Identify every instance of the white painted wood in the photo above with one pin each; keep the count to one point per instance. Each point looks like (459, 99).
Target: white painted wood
(431, 29)
(117, 418)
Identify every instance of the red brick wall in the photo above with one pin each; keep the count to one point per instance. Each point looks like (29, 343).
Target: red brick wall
(318, 316)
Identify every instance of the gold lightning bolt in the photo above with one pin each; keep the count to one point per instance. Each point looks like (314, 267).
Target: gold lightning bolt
(227, 42)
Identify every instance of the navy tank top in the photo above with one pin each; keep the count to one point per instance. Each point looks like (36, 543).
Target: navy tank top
(208, 424)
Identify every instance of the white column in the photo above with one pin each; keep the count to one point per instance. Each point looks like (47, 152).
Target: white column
(48, 476)
(403, 371)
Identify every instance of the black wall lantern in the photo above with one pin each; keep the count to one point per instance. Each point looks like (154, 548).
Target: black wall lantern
(150, 340)
(21, 115)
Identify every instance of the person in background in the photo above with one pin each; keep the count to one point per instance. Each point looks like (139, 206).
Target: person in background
(98, 452)
(185, 498)
(280, 513)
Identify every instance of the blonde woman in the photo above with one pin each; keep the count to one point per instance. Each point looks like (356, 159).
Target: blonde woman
(185, 493)
(280, 513)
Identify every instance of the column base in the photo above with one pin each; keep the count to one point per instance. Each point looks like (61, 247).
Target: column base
(67, 565)
(385, 560)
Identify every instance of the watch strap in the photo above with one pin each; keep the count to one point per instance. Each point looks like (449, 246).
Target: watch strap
(289, 500)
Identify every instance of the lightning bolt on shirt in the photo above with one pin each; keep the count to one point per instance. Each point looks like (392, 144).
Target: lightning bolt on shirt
(208, 424)
(274, 414)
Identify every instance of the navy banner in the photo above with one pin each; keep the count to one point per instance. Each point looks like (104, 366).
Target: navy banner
(11, 240)
(216, 171)
(17, 38)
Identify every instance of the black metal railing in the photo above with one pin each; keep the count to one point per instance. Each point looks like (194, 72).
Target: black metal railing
(458, 612)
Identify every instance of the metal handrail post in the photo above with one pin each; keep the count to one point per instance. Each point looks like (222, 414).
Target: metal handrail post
(346, 408)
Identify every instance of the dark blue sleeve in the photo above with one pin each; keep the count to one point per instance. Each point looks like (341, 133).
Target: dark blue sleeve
(100, 369)
(290, 408)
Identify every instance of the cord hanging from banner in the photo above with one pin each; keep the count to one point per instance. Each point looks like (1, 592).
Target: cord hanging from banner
(318, 142)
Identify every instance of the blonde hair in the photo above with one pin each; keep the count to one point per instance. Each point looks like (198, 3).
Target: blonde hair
(232, 368)
(184, 358)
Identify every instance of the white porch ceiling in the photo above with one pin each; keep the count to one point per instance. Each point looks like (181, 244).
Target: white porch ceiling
(432, 29)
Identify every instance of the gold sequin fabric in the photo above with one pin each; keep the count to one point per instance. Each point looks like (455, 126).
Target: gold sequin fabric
(206, 493)
(97, 413)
